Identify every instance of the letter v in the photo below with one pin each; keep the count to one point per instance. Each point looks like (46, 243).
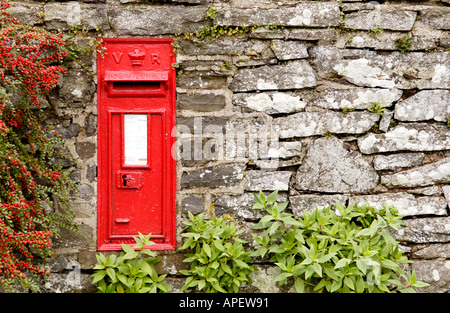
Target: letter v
(117, 56)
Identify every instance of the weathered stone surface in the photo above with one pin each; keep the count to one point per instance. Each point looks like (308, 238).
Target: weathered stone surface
(91, 124)
(434, 272)
(68, 132)
(241, 205)
(310, 202)
(27, 13)
(407, 137)
(426, 191)
(329, 167)
(91, 173)
(75, 87)
(295, 75)
(424, 105)
(228, 46)
(85, 191)
(265, 33)
(446, 191)
(311, 14)
(72, 13)
(406, 203)
(385, 121)
(426, 175)
(193, 204)
(424, 230)
(438, 18)
(384, 19)
(286, 150)
(387, 41)
(305, 124)
(203, 102)
(289, 50)
(85, 150)
(202, 79)
(264, 180)
(372, 69)
(433, 251)
(157, 20)
(397, 161)
(270, 102)
(213, 177)
(312, 34)
(262, 276)
(356, 98)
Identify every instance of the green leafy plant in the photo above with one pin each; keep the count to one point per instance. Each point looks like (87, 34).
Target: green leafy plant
(350, 250)
(219, 262)
(377, 108)
(130, 273)
(404, 43)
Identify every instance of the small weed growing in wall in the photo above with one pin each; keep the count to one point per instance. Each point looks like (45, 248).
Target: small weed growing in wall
(376, 108)
(404, 43)
(130, 273)
(219, 262)
(350, 250)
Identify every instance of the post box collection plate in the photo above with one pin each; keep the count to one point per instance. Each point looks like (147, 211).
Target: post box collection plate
(136, 116)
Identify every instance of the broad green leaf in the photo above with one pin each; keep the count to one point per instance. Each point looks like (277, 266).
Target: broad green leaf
(127, 248)
(283, 276)
(201, 284)
(361, 264)
(226, 268)
(265, 219)
(349, 283)
(111, 273)
(331, 273)
(326, 257)
(321, 284)
(283, 205)
(360, 285)
(309, 272)
(274, 227)
(146, 268)
(207, 249)
(218, 245)
(272, 197)
(241, 263)
(299, 285)
(98, 276)
(342, 263)
(218, 287)
(336, 285)
(390, 264)
(317, 268)
(420, 284)
(123, 279)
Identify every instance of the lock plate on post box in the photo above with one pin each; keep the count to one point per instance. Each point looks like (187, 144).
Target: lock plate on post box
(136, 117)
(130, 180)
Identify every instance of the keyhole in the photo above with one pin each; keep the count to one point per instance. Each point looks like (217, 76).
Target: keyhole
(124, 177)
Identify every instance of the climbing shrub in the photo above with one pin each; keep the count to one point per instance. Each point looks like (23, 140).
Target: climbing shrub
(350, 250)
(219, 262)
(32, 178)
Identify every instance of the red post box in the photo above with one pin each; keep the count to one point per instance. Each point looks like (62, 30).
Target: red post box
(136, 115)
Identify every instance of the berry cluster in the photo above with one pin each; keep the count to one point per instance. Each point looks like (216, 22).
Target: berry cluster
(30, 178)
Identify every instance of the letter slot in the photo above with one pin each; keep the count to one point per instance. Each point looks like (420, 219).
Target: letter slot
(136, 116)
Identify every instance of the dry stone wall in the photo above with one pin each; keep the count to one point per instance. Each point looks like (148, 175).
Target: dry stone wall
(322, 100)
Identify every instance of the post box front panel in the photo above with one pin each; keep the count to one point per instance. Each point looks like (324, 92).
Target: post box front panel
(136, 190)
(136, 171)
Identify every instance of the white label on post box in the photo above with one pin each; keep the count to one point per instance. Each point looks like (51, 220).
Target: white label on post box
(135, 133)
